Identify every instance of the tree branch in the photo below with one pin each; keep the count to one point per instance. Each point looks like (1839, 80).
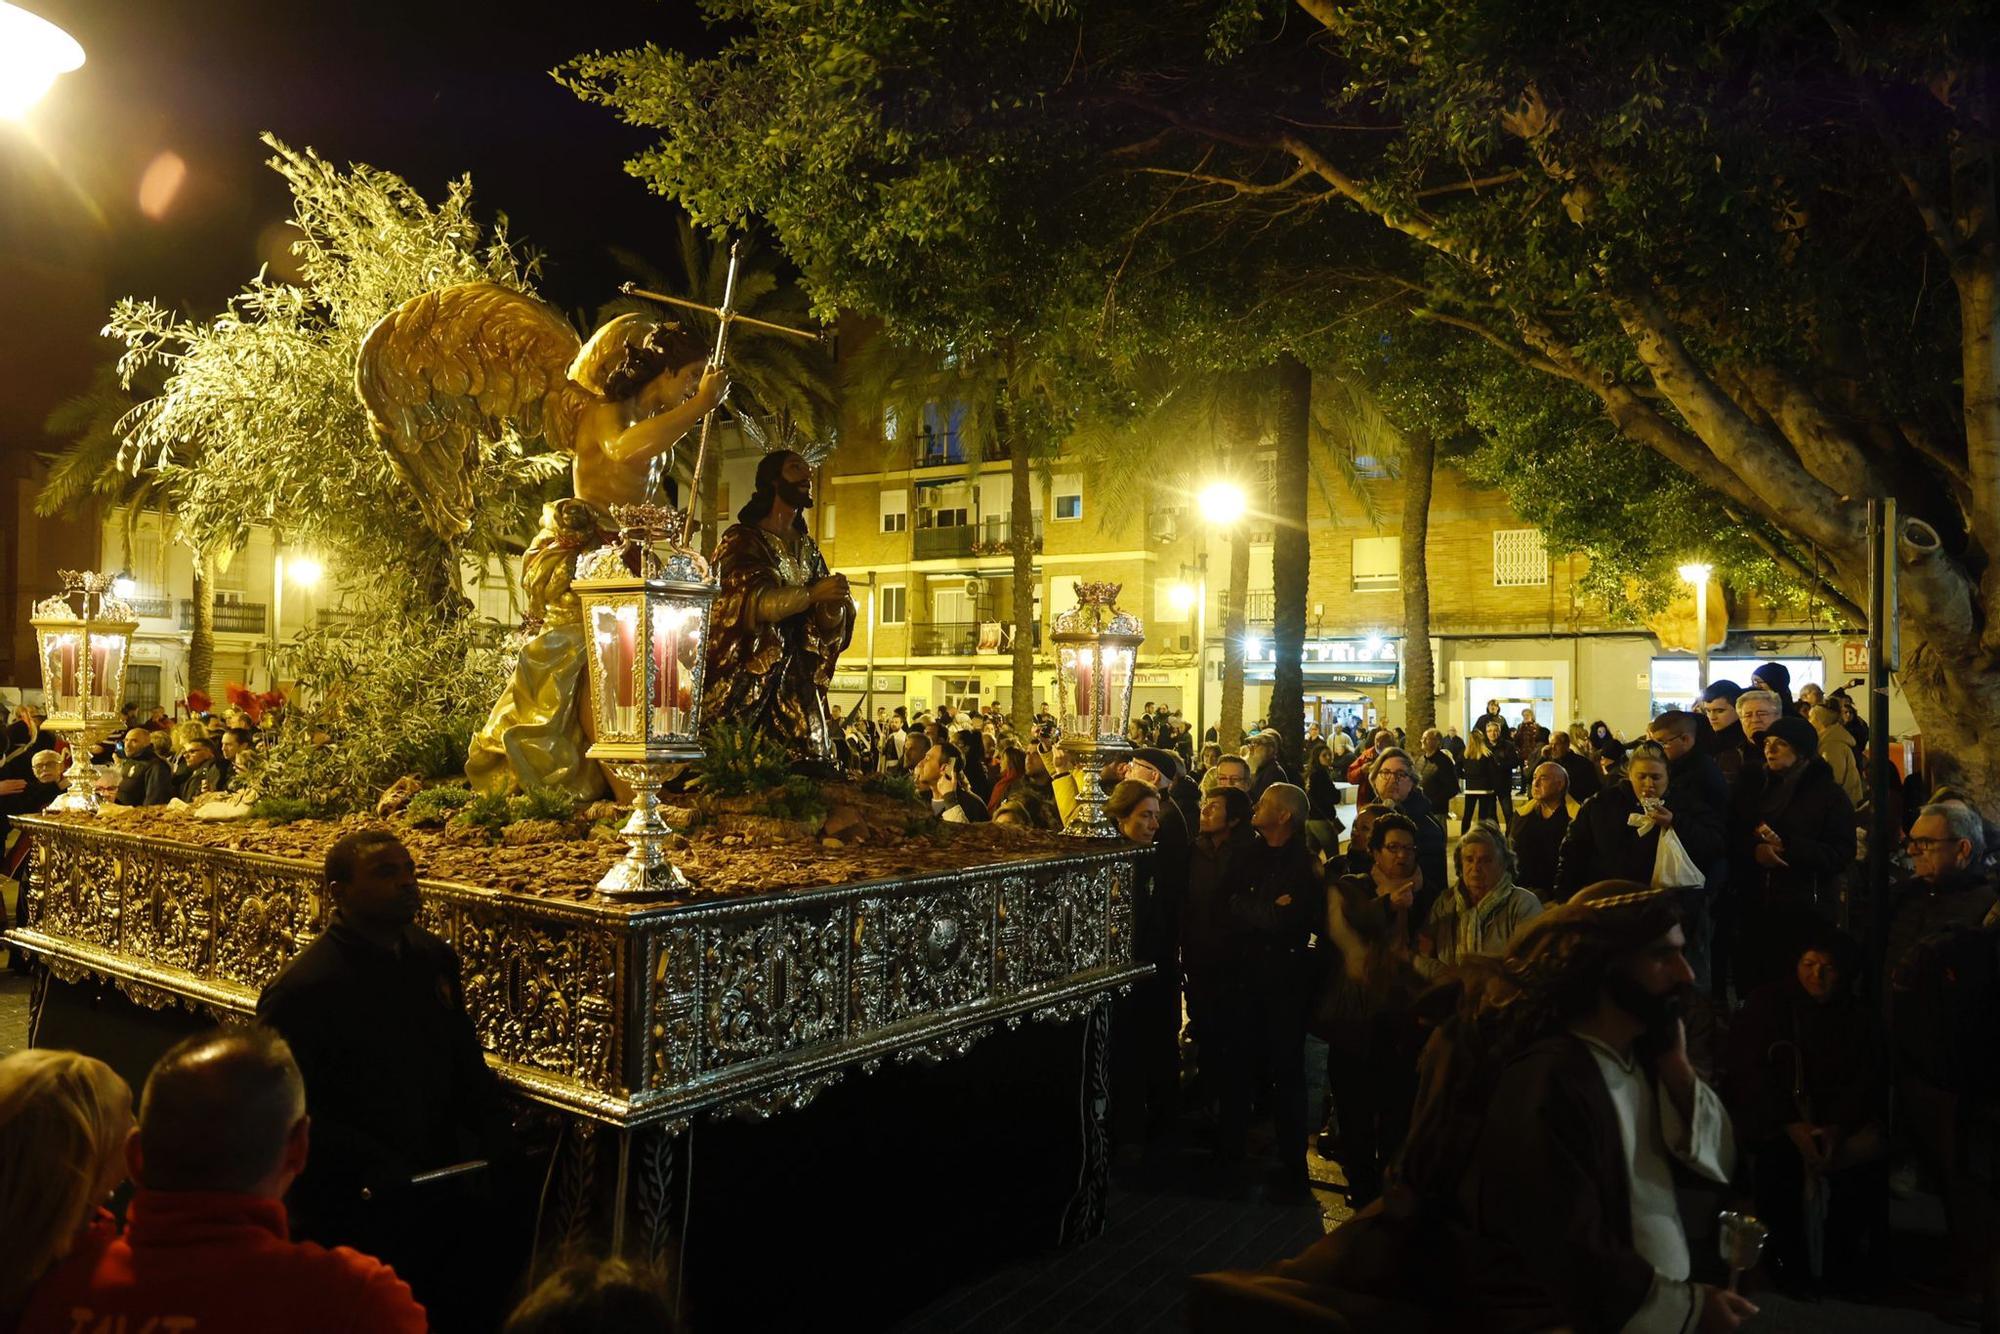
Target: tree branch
(1502, 178)
(1790, 565)
(1826, 449)
(1240, 187)
(1764, 464)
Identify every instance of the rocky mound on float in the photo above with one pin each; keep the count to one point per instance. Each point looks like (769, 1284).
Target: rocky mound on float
(729, 846)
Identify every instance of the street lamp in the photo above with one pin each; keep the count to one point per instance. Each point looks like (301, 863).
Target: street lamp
(1222, 505)
(1697, 573)
(34, 53)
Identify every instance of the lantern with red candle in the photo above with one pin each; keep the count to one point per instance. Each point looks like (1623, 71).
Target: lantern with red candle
(645, 600)
(1097, 646)
(83, 635)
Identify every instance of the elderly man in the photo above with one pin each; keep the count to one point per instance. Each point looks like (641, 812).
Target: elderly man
(1756, 710)
(144, 776)
(1540, 830)
(1357, 772)
(1937, 951)
(1261, 1001)
(1584, 781)
(1261, 750)
(1394, 778)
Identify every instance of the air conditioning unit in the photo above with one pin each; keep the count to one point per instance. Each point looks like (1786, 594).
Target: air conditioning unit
(975, 587)
(1166, 525)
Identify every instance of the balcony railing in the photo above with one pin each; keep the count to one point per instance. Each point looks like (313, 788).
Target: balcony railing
(943, 543)
(988, 537)
(231, 618)
(150, 608)
(965, 639)
(946, 451)
(1260, 606)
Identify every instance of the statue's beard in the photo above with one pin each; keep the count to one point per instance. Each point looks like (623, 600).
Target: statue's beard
(797, 495)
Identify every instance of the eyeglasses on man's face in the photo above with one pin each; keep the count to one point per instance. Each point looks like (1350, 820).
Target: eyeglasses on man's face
(1920, 846)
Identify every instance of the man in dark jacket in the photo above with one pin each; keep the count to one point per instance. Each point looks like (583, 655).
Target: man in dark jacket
(1395, 781)
(1691, 768)
(1529, 739)
(1162, 769)
(1441, 780)
(1272, 918)
(204, 771)
(1725, 739)
(144, 776)
(396, 1085)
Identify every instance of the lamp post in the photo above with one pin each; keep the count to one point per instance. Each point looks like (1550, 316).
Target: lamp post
(1697, 573)
(645, 601)
(34, 53)
(82, 635)
(1096, 647)
(1222, 506)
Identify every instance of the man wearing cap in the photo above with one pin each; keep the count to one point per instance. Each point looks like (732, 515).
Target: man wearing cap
(1776, 678)
(1262, 751)
(1162, 768)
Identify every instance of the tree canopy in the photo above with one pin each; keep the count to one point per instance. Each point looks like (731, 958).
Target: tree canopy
(1741, 260)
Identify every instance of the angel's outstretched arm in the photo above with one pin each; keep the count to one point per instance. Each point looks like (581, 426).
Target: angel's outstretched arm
(655, 435)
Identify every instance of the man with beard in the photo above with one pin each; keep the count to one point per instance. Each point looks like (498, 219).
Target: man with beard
(1571, 1189)
(781, 619)
(397, 1085)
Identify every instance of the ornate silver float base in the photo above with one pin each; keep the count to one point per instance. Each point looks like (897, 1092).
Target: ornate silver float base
(81, 796)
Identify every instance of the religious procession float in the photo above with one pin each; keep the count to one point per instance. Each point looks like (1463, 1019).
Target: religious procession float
(756, 930)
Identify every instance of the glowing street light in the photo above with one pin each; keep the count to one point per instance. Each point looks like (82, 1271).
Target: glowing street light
(34, 53)
(1182, 595)
(305, 571)
(1222, 503)
(1697, 573)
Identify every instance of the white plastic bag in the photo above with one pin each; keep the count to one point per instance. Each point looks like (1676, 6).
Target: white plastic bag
(1672, 867)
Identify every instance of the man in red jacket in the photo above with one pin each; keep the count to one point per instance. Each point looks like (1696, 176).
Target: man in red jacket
(222, 1132)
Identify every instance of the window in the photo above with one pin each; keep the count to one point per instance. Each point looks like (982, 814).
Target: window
(894, 605)
(1069, 497)
(895, 512)
(1378, 564)
(1520, 558)
(942, 439)
(959, 693)
(826, 523)
(142, 685)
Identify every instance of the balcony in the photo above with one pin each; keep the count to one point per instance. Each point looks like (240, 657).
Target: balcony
(947, 450)
(965, 639)
(231, 618)
(1260, 606)
(942, 543)
(150, 608)
(988, 537)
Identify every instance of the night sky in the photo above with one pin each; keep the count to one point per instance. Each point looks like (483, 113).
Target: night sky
(423, 88)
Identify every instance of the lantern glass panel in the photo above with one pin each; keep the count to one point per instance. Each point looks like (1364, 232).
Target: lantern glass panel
(615, 643)
(1117, 684)
(676, 650)
(62, 670)
(107, 669)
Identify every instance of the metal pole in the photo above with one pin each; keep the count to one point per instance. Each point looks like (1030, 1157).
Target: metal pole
(1701, 628)
(1201, 653)
(1881, 571)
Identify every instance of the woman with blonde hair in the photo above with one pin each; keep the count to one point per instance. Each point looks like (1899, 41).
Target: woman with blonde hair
(64, 1120)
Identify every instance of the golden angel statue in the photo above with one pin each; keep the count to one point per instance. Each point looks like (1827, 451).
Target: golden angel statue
(440, 375)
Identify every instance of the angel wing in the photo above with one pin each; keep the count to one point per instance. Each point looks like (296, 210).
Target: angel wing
(442, 373)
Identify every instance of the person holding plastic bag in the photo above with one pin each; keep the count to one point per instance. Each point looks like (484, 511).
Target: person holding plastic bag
(1641, 830)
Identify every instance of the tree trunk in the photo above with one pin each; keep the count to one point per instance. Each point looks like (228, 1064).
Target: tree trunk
(201, 640)
(440, 582)
(1229, 726)
(1021, 535)
(1419, 672)
(1291, 560)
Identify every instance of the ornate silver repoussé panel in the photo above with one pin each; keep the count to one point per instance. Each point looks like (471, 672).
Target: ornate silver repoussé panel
(630, 1015)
